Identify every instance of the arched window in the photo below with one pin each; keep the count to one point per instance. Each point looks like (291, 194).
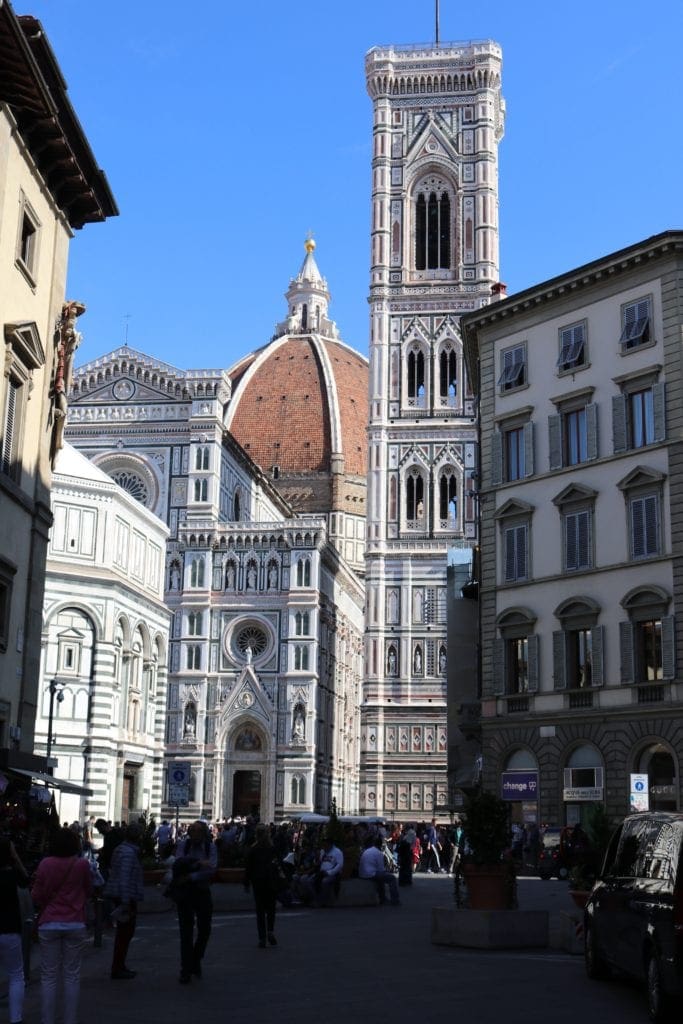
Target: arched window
(392, 499)
(236, 507)
(197, 572)
(298, 789)
(416, 378)
(432, 230)
(301, 623)
(304, 317)
(415, 500)
(303, 572)
(194, 623)
(448, 500)
(300, 658)
(448, 377)
(201, 490)
(202, 458)
(194, 656)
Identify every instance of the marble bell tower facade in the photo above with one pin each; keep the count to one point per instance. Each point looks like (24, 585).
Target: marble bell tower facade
(438, 118)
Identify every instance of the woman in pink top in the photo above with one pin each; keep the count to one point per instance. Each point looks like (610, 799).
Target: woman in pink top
(61, 888)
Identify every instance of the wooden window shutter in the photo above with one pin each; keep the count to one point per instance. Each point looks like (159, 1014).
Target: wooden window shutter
(496, 458)
(522, 553)
(499, 650)
(598, 654)
(619, 439)
(659, 410)
(627, 652)
(555, 441)
(583, 539)
(571, 541)
(532, 654)
(559, 659)
(592, 431)
(9, 425)
(528, 449)
(668, 647)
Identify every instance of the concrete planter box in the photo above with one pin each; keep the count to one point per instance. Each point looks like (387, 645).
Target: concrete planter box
(489, 929)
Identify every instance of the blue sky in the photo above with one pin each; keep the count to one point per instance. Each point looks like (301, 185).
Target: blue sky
(227, 130)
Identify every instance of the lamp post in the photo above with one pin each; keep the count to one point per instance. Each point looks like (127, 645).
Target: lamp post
(56, 690)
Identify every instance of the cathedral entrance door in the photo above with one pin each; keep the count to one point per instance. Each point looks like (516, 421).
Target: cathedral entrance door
(246, 794)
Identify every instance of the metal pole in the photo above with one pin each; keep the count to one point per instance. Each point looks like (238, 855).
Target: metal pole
(437, 21)
(53, 690)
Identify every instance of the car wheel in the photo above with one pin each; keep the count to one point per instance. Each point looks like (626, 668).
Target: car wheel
(595, 965)
(657, 1003)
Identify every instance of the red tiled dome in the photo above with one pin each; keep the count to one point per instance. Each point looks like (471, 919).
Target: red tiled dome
(299, 402)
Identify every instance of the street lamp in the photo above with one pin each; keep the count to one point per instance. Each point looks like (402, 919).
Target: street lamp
(56, 690)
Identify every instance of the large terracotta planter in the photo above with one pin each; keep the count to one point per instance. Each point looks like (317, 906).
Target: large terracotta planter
(488, 886)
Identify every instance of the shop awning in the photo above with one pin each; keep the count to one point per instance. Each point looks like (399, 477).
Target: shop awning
(50, 780)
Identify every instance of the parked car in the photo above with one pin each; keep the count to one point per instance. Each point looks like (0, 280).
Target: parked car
(634, 914)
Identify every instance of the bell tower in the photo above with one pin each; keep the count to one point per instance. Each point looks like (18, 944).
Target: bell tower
(438, 118)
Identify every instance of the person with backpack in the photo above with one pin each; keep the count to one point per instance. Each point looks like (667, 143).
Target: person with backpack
(193, 871)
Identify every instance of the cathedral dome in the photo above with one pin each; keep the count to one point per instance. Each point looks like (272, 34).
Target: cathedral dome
(300, 405)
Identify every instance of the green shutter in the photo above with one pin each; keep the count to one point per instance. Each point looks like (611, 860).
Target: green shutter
(496, 458)
(598, 654)
(619, 439)
(627, 652)
(659, 411)
(668, 647)
(499, 667)
(532, 654)
(559, 659)
(555, 441)
(528, 449)
(592, 431)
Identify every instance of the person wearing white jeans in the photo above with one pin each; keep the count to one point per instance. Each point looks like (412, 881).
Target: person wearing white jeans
(61, 951)
(12, 961)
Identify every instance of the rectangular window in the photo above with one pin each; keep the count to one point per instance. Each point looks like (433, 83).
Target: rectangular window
(641, 416)
(513, 368)
(579, 658)
(648, 643)
(27, 241)
(577, 540)
(194, 660)
(516, 553)
(644, 517)
(572, 347)
(514, 454)
(575, 437)
(518, 665)
(635, 324)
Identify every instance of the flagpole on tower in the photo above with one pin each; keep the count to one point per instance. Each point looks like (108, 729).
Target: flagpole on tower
(436, 12)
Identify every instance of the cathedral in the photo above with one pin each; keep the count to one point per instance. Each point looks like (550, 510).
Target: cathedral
(307, 657)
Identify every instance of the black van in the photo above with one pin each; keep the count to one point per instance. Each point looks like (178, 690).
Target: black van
(634, 914)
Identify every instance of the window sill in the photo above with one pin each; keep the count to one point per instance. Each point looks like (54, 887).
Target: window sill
(26, 273)
(625, 350)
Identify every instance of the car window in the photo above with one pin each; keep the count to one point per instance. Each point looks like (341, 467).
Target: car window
(659, 854)
(610, 856)
(629, 851)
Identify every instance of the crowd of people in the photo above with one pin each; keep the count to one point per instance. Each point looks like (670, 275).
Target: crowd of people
(291, 863)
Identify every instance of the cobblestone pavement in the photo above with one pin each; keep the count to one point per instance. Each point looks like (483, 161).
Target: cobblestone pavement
(341, 965)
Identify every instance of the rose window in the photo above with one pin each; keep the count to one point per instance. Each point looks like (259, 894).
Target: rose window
(133, 484)
(251, 637)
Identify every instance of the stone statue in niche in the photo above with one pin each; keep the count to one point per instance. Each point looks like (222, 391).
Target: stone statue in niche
(442, 660)
(272, 577)
(174, 582)
(391, 662)
(251, 578)
(298, 725)
(230, 577)
(190, 723)
(417, 661)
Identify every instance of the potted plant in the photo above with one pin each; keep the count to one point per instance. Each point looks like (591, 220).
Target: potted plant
(489, 876)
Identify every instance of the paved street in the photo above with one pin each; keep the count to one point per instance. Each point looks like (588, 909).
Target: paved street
(340, 965)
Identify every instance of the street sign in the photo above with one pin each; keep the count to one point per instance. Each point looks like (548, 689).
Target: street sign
(178, 796)
(640, 796)
(179, 773)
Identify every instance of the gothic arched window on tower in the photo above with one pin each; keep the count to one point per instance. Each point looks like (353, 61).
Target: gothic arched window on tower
(432, 230)
(448, 377)
(197, 572)
(202, 458)
(303, 572)
(415, 516)
(236, 507)
(304, 317)
(448, 500)
(416, 378)
(201, 490)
